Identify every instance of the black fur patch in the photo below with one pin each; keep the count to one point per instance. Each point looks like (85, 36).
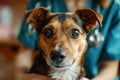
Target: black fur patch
(40, 65)
(61, 17)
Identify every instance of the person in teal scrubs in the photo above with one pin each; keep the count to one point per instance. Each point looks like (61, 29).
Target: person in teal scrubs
(106, 55)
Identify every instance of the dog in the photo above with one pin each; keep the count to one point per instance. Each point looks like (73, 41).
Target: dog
(62, 41)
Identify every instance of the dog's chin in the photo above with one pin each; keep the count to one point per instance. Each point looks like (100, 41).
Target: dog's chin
(60, 66)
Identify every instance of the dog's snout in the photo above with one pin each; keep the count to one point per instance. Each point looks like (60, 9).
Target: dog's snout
(57, 56)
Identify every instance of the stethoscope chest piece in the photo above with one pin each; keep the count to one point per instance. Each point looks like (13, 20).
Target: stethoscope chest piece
(95, 38)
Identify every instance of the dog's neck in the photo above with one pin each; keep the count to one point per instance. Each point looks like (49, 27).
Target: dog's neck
(40, 66)
(70, 73)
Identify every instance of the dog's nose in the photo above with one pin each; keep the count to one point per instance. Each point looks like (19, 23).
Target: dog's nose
(57, 56)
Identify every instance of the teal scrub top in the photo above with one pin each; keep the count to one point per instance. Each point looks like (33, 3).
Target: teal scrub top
(109, 49)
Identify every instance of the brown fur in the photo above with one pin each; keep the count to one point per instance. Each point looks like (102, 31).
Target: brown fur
(74, 48)
(90, 18)
(62, 38)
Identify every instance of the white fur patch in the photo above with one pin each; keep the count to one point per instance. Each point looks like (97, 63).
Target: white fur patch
(71, 73)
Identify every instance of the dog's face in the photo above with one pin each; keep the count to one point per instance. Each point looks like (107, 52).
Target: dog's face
(63, 35)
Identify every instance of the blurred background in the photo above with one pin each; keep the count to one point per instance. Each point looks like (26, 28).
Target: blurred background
(11, 14)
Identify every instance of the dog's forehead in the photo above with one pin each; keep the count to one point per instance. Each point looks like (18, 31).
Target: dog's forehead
(61, 17)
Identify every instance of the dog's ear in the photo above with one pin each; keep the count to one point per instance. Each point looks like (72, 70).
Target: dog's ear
(90, 18)
(35, 17)
(27, 13)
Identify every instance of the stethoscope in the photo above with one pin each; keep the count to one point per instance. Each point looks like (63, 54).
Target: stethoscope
(96, 37)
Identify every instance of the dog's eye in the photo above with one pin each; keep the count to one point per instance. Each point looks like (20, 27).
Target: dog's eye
(74, 33)
(48, 32)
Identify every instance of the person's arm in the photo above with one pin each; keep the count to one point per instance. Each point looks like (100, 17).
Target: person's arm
(110, 54)
(108, 71)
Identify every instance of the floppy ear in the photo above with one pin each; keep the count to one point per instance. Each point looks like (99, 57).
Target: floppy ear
(90, 18)
(35, 17)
